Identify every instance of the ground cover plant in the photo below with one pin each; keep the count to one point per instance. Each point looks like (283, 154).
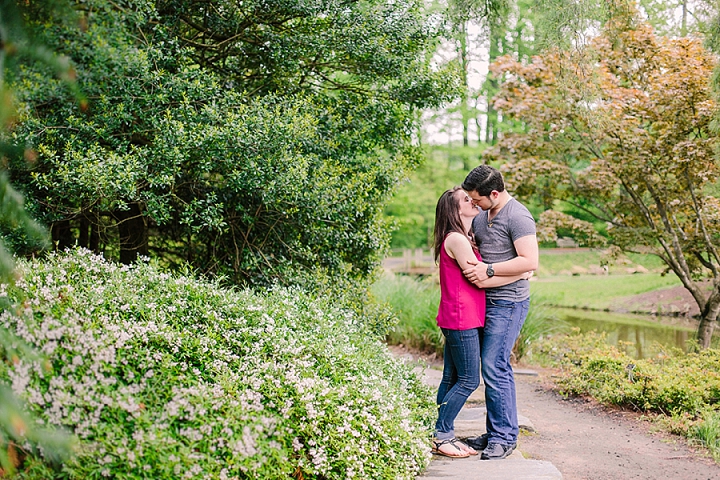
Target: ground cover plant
(162, 376)
(681, 391)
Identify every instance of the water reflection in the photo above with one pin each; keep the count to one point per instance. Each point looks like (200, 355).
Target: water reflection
(637, 335)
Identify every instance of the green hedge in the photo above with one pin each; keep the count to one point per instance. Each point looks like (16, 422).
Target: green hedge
(165, 377)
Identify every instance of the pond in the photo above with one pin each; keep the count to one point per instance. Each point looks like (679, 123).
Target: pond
(637, 335)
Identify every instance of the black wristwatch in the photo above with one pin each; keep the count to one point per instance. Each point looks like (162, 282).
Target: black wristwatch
(490, 271)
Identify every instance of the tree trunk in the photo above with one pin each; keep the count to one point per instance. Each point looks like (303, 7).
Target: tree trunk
(490, 128)
(495, 50)
(464, 67)
(683, 24)
(132, 227)
(708, 319)
(94, 242)
(84, 235)
(89, 236)
(62, 235)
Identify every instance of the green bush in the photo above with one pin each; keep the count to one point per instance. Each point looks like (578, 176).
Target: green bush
(166, 377)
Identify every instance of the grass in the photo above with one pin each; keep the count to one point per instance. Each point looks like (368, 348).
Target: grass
(598, 292)
(555, 261)
(415, 304)
(707, 433)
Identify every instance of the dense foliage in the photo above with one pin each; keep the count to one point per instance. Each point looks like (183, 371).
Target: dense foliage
(257, 140)
(622, 131)
(163, 376)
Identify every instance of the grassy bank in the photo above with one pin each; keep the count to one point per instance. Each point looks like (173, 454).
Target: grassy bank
(556, 261)
(576, 279)
(599, 292)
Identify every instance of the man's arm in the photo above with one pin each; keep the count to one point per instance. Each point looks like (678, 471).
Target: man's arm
(527, 259)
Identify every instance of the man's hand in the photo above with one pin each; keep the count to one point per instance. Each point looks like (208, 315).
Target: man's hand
(476, 272)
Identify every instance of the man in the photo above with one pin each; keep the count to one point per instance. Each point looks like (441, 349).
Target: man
(506, 237)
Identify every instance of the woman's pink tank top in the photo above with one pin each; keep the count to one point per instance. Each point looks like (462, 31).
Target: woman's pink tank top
(462, 304)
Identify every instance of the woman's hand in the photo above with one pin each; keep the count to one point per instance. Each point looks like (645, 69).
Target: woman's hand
(529, 275)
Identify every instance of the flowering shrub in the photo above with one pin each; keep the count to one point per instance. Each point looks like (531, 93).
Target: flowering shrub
(168, 377)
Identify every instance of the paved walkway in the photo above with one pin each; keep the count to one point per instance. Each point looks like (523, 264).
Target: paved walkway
(470, 422)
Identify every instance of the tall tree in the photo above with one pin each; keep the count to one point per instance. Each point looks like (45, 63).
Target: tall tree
(464, 17)
(479, 32)
(563, 23)
(462, 51)
(510, 33)
(622, 131)
(257, 140)
(679, 17)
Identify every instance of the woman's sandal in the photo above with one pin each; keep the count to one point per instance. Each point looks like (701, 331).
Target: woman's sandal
(450, 441)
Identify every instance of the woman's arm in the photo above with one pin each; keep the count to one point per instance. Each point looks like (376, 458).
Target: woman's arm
(458, 247)
(527, 259)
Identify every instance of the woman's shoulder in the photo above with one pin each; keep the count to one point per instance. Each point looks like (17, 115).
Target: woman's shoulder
(456, 239)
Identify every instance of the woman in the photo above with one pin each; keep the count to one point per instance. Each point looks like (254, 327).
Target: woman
(461, 314)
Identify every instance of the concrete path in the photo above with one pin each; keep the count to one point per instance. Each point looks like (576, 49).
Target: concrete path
(471, 422)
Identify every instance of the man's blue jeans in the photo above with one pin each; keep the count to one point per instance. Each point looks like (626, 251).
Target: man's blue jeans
(461, 377)
(503, 321)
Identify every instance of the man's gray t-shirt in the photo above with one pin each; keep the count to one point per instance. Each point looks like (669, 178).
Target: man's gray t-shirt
(496, 242)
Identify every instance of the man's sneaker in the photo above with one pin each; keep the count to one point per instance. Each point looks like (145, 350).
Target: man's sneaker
(478, 443)
(496, 451)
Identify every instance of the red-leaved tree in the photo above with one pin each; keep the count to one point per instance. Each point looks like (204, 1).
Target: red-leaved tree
(622, 130)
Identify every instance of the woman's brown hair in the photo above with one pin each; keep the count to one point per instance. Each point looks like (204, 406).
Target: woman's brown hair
(447, 219)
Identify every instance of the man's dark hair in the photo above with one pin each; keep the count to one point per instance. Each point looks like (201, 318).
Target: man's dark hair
(484, 179)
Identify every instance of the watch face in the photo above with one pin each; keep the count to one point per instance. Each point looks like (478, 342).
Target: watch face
(490, 271)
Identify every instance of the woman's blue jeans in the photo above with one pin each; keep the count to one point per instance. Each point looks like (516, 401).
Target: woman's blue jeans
(461, 377)
(503, 321)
